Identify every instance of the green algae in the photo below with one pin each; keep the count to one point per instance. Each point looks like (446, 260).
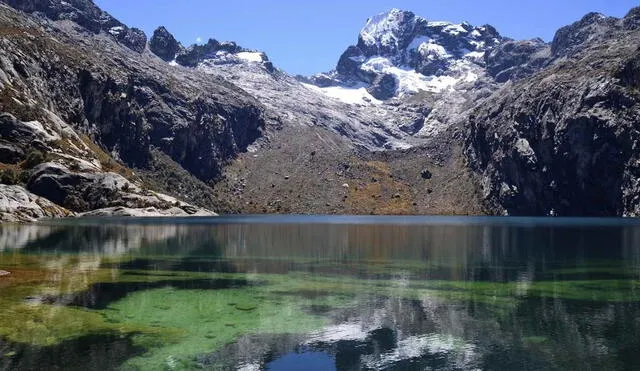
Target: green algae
(207, 320)
(176, 325)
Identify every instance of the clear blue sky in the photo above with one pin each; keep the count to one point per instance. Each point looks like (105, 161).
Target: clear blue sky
(308, 36)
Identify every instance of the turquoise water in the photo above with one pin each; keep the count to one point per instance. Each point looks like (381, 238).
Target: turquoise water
(321, 293)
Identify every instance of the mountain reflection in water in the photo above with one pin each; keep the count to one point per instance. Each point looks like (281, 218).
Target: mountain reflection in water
(328, 293)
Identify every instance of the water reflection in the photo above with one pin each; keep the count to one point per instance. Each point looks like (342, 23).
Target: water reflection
(459, 252)
(343, 296)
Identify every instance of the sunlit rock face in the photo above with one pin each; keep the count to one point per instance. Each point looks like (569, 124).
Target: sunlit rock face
(19, 205)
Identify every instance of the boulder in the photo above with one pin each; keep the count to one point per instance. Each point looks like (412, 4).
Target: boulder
(19, 205)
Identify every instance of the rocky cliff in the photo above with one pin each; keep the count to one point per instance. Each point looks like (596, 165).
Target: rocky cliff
(91, 104)
(564, 140)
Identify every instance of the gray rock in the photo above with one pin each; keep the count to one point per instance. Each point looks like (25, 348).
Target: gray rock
(164, 45)
(10, 153)
(109, 192)
(144, 212)
(565, 140)
(77, 191)
(350, 61)
(517, 59)
(383, 87)
(572, 38)
(86, 14)
(194, 54)
(19, 205)
(632, 20)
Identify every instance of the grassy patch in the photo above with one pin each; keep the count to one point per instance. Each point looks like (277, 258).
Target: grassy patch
(382, 194)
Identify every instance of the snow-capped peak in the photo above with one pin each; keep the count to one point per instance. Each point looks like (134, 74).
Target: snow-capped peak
(416, 53)
(387, 28)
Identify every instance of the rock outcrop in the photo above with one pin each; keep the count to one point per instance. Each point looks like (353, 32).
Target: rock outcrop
(164, 45)
(83, 192)
(513, 60)
(87, 15)
(19, 205)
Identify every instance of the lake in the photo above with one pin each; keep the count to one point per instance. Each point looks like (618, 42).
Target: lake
(321, 293)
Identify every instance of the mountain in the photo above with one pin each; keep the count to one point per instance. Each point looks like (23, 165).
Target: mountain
(81, 107)
(418, 117)
(564, 140)
(399, 53)
(446, 68)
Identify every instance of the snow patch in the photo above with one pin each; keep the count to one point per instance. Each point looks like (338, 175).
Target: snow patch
(477, 44)
(395, 145)
(438, 24)
(429, 48)
(355, 95)
(474, 55)
(433, 51)
(409, 81)
(418, 41)
(454, 29)
(470, 77)
(115, 31)
(250, 57)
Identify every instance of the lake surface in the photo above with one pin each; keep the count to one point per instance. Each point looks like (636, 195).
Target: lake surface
(321, 293)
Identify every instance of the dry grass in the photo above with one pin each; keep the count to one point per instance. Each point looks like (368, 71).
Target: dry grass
(107, 162)
(383, 195)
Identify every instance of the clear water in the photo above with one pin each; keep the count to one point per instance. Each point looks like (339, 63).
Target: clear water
(321, 293)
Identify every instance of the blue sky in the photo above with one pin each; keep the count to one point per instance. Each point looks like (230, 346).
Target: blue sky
(305, 37)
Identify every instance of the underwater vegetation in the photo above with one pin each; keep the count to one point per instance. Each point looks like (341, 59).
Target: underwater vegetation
(198, 297)
(170, 318)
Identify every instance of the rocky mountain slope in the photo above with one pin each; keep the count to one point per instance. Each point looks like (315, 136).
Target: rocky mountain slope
(564, 141)
(82, 106)
(420, 117)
